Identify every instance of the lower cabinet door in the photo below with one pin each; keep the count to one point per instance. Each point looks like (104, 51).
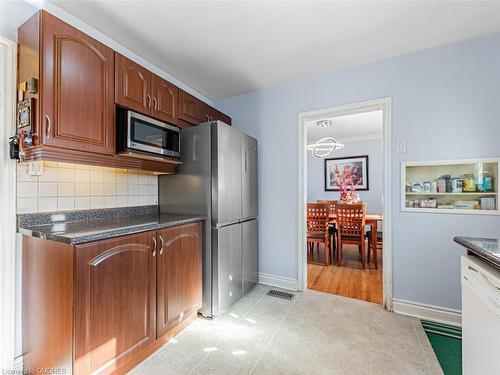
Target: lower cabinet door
(115, 301)
(178, 275)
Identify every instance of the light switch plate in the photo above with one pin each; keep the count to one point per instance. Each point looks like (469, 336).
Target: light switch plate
(401, 145)
(35, 168)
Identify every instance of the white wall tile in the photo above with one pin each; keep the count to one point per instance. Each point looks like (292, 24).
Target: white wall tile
(49, 174)
(109, 176)
(47, 189)
(143, 189)
(66, 189)
(121, 189)
(82, 190)
(133, 200)
(96, 176)
(47, 204)
(82, 203)
(97, 189)
(66, 175)
(97, 202)
(65, 186)
(82, 175)
(110, 201)
(65, 203)
(133, 189)
(27, 205)
(121, 201)
(27, 189)
(121, 177)
(110, 189)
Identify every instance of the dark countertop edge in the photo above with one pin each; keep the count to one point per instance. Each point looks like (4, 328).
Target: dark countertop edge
(111, 233)
(477, 250)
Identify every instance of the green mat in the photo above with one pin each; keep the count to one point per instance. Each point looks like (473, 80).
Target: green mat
(447, 344)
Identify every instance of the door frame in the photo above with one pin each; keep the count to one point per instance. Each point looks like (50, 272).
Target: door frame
(8, 203)
(384, 104)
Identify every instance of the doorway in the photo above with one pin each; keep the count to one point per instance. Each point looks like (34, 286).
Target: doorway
(363, 129)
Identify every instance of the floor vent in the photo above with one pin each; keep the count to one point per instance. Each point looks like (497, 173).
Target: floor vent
(279, 294)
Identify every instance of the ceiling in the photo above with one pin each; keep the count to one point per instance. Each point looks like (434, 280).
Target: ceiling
(349, 128)
(222, 49)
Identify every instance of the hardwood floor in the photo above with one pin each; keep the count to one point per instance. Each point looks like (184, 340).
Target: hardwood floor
(349, 280)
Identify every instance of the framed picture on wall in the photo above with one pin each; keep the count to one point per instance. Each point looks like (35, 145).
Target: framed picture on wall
(358, 162)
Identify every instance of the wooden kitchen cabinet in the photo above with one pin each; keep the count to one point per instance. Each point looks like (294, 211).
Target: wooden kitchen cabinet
(178, 276)
(142, 91)
(115, 301)
(165, 100)
(192, 110)
(132, 85)
(76, 83)
(218, 115)
(103, 307)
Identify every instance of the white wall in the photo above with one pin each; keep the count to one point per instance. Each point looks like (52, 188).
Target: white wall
(373, 197)
(445, 103)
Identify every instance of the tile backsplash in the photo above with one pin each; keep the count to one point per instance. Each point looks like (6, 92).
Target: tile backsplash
(64, 186)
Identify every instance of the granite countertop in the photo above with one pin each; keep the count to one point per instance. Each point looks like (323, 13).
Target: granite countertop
(486, 248)
(77, 227)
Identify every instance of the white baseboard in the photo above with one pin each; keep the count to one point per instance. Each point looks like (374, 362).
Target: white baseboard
(18, 365)
(428, 312)
(278, 281)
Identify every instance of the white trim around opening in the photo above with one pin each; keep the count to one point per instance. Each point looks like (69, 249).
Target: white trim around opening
(8, 205)
(384, 104)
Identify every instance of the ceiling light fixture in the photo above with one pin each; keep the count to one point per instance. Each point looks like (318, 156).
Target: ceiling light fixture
(326, 145)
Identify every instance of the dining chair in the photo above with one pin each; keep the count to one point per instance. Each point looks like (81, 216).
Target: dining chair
(351, 229)
(380, 242)
(332, 228)
(318, 216)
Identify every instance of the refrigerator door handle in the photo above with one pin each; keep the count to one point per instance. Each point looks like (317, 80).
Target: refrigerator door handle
(246, 161)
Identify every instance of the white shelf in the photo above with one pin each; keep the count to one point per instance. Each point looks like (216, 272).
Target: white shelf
(422, 171)
(463, 193)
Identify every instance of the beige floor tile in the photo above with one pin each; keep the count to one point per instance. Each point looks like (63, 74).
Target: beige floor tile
(166, 362)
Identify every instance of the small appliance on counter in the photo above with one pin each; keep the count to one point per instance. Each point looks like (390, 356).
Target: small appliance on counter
(144, 137)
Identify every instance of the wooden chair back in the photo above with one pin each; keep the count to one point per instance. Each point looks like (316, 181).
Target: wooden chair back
(351, 220)
(331, 203)
(318, 218)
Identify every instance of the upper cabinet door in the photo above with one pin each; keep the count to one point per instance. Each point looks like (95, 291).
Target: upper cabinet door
(191, 109)
(78, 82)
(165, 100)
(132, 85)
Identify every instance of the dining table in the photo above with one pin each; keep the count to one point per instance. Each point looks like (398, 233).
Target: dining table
(371, 220)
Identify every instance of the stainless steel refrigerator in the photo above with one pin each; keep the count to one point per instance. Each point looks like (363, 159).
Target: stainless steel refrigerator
(218, 178)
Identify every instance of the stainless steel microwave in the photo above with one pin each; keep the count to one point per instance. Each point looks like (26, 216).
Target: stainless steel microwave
(140, 136)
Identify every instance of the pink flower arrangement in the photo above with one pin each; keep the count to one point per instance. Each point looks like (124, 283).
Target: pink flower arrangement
(347, 182)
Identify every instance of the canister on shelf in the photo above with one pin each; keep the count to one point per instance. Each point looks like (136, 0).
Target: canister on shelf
(469, 183)
(426, 187)
(478, 176)
(434, 187)
(456, 185)
(487, 182)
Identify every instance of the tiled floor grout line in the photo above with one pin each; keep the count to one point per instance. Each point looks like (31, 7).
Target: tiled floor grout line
(219, 342)
(278, 326)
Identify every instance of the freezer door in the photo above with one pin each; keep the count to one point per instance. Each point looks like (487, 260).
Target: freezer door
(250, 244)
(249, 201)
(228, 267)
(226, 174)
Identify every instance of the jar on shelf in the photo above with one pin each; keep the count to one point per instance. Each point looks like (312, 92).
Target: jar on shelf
(469, 183)
(487, 181)
(479, 175)
(456, 185)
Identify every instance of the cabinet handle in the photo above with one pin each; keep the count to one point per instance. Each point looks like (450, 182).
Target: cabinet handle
(49, 127)
(149, 101)
(155, 103)
(161, 245)
(154, 246)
